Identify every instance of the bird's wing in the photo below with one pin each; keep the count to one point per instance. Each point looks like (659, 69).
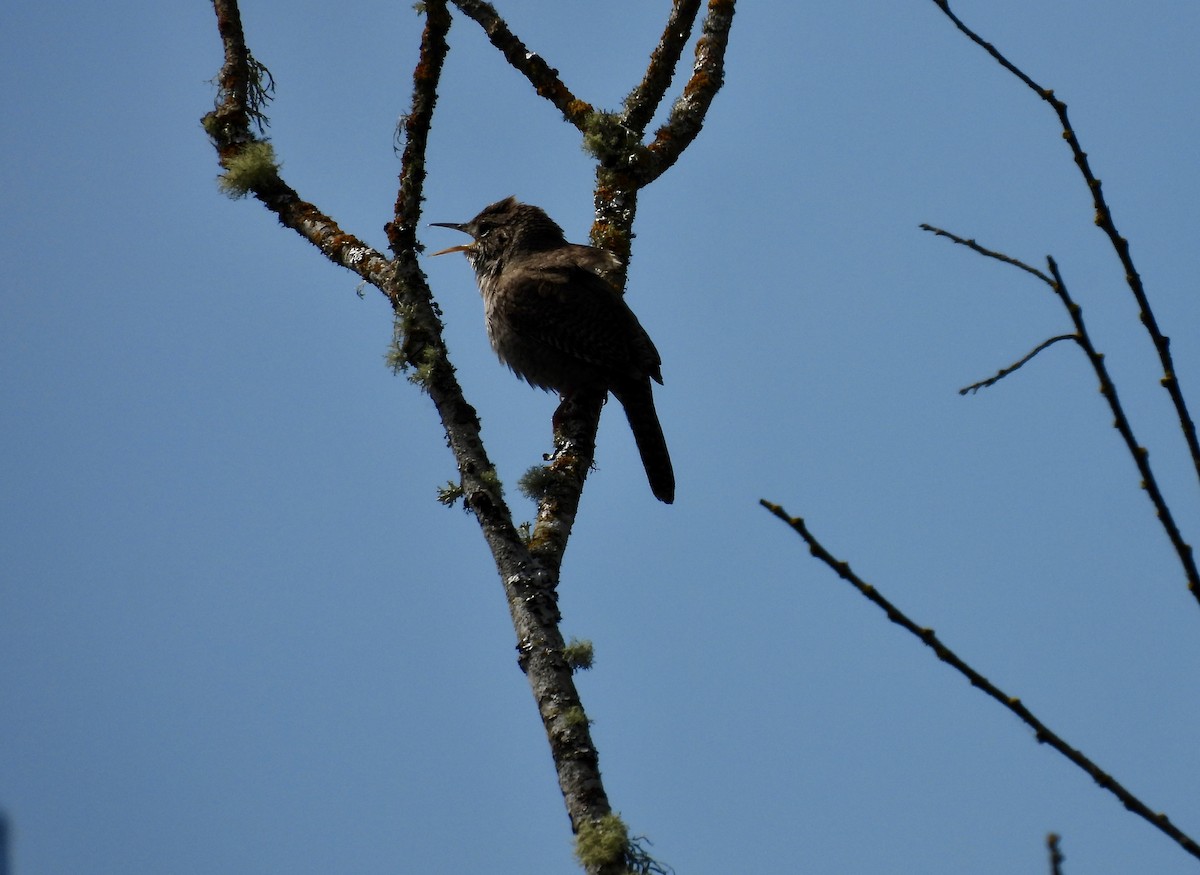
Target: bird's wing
(574, 310)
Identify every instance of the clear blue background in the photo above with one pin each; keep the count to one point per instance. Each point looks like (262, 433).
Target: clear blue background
(238, 634)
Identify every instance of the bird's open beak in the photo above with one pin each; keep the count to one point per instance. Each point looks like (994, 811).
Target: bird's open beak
(465, 247)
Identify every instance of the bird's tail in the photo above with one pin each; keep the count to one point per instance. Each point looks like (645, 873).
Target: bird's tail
(638, 401)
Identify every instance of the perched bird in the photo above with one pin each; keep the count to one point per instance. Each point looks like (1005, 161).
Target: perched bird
(555, 318)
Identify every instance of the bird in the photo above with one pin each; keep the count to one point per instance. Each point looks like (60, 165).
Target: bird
(556, 318)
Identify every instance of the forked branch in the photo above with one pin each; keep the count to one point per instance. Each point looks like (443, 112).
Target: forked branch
(249, 162)
(643, 101)
(529, 571)
(690, 110)
(1104, 220)
(1140, 455)
(528, 583)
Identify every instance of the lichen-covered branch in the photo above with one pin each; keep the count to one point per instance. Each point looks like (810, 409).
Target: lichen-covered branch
(249, 162)
(529, 581)
(644, 100)
(928, 637)
(415, 126)
(688, 114)
(614, 138)
(1103, 220)
(541, 75)
(1141, 456)
(624, 165)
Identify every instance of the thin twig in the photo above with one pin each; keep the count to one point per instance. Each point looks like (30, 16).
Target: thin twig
(1006, 259)
(1025, 359)
(1108, 389)
(1141, 457)
(1042, 733)
(1056, 855)
(990, 253)
(1104, 220)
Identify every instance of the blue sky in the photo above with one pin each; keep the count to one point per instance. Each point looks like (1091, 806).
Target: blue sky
(237, 632)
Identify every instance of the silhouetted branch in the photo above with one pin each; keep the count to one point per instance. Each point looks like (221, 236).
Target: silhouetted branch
(990, 253)
(1056, 856)
(1104, 221)
(1042, 733)
(1141, 457)
(1025, 359)
(1000, 256)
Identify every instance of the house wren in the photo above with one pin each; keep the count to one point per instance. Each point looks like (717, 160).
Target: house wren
(555, 318)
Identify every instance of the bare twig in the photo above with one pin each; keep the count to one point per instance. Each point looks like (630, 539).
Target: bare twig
(1000, 256)
(1141, 456)
(990, 253)
(1104, 221)
(1042, 733)
(1056, 855)
(1025, 359)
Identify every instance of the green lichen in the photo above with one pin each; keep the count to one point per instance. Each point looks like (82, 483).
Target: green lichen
(252, 169)
(578, 654)
(450, 493)
(536, 482)
(602, 843)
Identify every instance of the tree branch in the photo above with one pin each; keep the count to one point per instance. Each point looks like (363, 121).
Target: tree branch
(1042, 733)
(688, 114)
(529, 582)
(1056, 855)
(1024, 360)
(644, 100)
(249, 162)
(541, 75)
(1141, 456)
(415, 126)
(1104, 220)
